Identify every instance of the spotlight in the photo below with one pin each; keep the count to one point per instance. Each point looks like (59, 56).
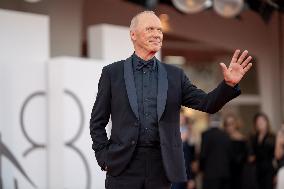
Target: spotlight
(192, 6)
(32, 1)
(228, 8)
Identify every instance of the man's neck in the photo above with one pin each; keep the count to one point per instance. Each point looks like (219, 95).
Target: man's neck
(145, 55)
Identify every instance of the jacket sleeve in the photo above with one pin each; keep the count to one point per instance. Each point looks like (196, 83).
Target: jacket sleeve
(100, 117)
(212, 102)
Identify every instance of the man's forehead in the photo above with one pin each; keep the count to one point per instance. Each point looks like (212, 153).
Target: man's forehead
(148, 20)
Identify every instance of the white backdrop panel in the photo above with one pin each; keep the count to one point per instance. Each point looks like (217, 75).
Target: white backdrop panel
(80, 79)
(23, 119)
(24, 36)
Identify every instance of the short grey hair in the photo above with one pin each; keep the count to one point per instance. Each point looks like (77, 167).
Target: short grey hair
(135, 19)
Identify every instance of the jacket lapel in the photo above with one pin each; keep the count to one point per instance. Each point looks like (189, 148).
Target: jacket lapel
(162, 89)
(130, 86)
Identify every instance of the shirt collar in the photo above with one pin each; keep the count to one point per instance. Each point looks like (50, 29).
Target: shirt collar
(136, 59)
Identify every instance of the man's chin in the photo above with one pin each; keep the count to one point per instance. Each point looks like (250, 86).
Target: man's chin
(154, 50)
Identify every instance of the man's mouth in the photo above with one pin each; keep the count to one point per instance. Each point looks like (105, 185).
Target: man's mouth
(157, 42)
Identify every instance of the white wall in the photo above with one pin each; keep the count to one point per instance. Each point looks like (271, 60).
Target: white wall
(24, 48)
(45, 110)
(73, 92)
(24, 36)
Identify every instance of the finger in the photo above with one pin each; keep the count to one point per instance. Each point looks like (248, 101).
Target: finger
(242, 57)
(247, 67)
(235, 56)
(245, 63)
(223, 67)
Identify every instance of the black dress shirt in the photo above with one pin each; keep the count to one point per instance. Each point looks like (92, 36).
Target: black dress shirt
(146, 83)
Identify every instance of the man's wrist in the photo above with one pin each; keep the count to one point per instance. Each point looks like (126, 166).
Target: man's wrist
(231, 84)
(236, 86)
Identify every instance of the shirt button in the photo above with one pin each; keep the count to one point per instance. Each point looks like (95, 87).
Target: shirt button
(132, 142)
(144, 72)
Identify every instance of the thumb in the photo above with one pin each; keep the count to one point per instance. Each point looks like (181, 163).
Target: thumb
(223, 67)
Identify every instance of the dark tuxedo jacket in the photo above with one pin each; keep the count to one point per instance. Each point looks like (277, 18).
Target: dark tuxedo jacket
(117, 97)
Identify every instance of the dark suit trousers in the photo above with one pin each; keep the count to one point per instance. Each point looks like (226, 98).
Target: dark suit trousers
(144, 171)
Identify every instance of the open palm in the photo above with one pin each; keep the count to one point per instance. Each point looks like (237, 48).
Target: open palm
(237, 68)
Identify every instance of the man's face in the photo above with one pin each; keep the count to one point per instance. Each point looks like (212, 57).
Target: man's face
(147, 35)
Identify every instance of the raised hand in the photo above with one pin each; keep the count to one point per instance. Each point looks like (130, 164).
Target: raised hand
(237, 69)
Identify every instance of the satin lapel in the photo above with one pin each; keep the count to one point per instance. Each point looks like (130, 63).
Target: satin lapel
(162, 89)
(130, 86)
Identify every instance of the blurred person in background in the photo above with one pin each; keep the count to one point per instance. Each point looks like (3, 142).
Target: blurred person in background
(189, 153)
(279, 156)
(262, 145)
(190, 145)
(238, 150)
(215, 156)
(143, 97)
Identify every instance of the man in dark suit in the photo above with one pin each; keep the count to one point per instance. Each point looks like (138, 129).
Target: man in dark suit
(215, 156)
(143, 97)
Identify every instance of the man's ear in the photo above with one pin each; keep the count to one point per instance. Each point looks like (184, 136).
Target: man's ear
(132, 35)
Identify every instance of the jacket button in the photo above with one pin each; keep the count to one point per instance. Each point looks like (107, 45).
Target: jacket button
(132, 142)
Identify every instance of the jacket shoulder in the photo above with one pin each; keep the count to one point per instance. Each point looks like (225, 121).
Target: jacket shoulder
(172, 67)
(114, 65)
